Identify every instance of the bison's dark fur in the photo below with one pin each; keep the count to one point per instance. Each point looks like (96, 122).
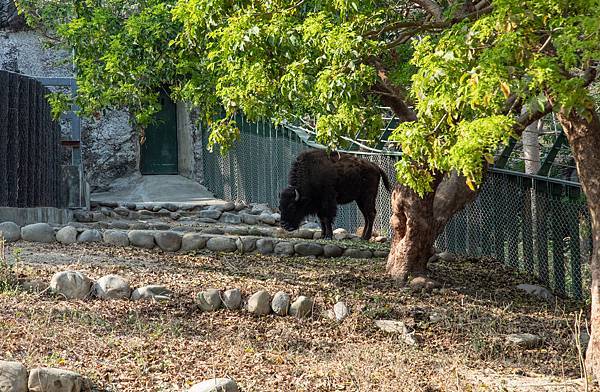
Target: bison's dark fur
(319, 181)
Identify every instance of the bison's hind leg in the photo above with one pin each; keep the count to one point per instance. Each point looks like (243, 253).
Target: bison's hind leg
(367, 208)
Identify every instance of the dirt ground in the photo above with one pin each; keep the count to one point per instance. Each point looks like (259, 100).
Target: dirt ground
(148, 346)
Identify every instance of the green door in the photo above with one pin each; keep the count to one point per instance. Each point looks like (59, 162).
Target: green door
(159, 150)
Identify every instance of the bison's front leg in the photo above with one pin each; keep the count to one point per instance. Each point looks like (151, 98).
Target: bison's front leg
(326, 226)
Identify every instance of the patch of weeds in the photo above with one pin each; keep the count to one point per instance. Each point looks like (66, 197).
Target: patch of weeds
(8, 276)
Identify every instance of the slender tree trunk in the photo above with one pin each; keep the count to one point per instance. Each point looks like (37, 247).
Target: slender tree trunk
(531, 147)
(584, 138)
(418, 221)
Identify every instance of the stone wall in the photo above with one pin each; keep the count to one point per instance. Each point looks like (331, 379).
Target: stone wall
(110, 147)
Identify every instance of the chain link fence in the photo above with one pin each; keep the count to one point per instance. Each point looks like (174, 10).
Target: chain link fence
(538, 225)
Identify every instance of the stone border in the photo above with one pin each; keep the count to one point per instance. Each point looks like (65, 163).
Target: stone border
(174, 241)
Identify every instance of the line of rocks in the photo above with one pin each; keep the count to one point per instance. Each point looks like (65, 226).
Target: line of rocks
(173, 241)
(76, 285)
(14, 377)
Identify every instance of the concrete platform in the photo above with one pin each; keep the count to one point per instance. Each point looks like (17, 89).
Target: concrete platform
(157, 188)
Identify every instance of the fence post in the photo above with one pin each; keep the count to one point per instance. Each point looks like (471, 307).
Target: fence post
(24, 143)
(526, 218)
(558, 255)
(4, 138)
(574, 245)
(541, 202)
(499, 223)
(512, 221)
(12, 155)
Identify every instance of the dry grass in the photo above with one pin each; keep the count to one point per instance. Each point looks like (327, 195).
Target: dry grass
(143, 346)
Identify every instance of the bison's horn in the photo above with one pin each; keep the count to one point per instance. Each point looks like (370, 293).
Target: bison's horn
(297, 194)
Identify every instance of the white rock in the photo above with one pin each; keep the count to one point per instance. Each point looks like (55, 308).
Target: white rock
(116, 237)
(141, 238)
(112, 287)
(232, 299)
(71, 284)
(301, 307)
(193, 241)
(13, 377)
(38, 232)
(209, 300)
(340, 310)
(155, 292)
(525, 340)
(260, 303)
(340, 234)
(265, 246)
(267, 218)
(446, 256)
(55, 380)
(311, 226)
(394, 326)
(67, 235)
(538, 291)
(10, 231)
(169, 241)
(216, 385)
(221, 244)
(280, 303)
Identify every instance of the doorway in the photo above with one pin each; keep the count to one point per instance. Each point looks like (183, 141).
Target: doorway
(158, 153)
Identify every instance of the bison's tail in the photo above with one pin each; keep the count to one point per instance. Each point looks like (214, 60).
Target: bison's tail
(386, 180)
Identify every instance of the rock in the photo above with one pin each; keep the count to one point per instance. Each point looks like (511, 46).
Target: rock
(240, 206)
(139, 226)
(10, 231)
(311, 226)
(394, 326)
(119, 225)
(246, 244)
(267, 218)
(284, 248)
(525, 340)
(170, 207)
(112, 287)
(175, 215)
(122, 211)
(259, 208)
(380, 239)
(155, 292)
(265, 246)
(435, 317)
(209, 300)
(83, 216)
(318, 235)
(163, 212)
(340, 234)
(447, 256)
(168, 240)
(216, 385)
(160, 226)
(33, 286)
(146, 213)
(280, 303)
(261, 231)
(141, 239)
(538, 291)
(116, 237)
(213, 230)
(71, 284)
(97, 216)
(260, 303)
(131, 206)
(228, 217)
(423, 283)
(13, 377)
(193, 241)
(67, 235)
(249, 219)
(276, 216)
(156, 208)
(358, 253)
(211, 214)
(301, 307)
(433, 258)
(331, 250)
(232, 299)
(221, 244)
(207, 220)
(381, 253)
(308, 249)
(38, 232)
(55, 380)
(229, 206)
(90, 235)
(303, 233)
(109, 204)
(340, 310)
(236, 230)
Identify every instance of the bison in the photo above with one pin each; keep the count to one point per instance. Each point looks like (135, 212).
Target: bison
(319, 181)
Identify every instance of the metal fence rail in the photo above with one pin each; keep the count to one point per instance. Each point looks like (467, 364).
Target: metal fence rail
(30, 172)
(536, 224)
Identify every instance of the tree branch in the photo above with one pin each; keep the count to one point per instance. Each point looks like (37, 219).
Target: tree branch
(431, 7)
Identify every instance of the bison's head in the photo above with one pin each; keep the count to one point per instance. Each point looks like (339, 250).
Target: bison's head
(291, 211)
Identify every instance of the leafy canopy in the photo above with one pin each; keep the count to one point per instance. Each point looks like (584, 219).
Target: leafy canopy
(456, 75)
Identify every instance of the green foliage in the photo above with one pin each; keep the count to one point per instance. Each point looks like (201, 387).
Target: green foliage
(283, 59)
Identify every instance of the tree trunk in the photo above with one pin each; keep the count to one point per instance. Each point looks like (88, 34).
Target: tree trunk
(584, 138)
(531, 147)
(417, 222)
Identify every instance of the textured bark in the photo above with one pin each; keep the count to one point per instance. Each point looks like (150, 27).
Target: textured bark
(584, 138)
(418, 221)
